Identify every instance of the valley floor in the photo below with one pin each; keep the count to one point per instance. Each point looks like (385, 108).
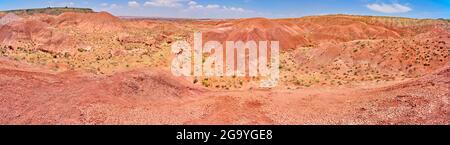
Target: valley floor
(31, 96)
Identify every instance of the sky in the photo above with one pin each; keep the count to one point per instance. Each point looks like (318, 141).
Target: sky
(248, 8)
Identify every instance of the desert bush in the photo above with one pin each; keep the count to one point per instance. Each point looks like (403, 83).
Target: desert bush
(206, 83)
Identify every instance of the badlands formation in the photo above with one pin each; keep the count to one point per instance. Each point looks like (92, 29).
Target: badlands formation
(96, 68)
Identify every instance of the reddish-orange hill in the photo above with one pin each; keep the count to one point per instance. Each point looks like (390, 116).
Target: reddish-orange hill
(307, 31)
(101, 21)
(96, 68)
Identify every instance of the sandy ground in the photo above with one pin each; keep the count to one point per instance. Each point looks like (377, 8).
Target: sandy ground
(155, 97)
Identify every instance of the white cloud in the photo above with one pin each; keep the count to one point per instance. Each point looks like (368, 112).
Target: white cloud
(235, 9)
(113, 6)
(389, 8)
(133, 4)
(191, 3)
(164, 3)
(194, 5)
(108, 7)
(176, 8)
(213, 6)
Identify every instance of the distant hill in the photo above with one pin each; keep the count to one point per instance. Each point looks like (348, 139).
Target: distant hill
(49, 10)
(448, 20)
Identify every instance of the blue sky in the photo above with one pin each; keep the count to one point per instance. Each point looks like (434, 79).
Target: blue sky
(248, 8)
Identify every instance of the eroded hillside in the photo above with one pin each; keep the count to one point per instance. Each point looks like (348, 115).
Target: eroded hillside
(95, 68)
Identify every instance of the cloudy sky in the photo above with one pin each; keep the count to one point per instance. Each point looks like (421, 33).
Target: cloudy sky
(248, 8)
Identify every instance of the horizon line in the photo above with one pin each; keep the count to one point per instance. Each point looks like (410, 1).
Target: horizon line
(187, 18)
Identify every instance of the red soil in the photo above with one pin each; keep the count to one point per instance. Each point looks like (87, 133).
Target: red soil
(397, 72)
(101, 21)
(154, 97)
(258, 29)
(35, 32)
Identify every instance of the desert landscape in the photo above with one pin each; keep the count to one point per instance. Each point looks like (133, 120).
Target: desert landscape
(77, 66)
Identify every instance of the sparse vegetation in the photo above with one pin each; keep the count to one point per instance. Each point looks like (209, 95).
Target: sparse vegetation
(309, 65)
